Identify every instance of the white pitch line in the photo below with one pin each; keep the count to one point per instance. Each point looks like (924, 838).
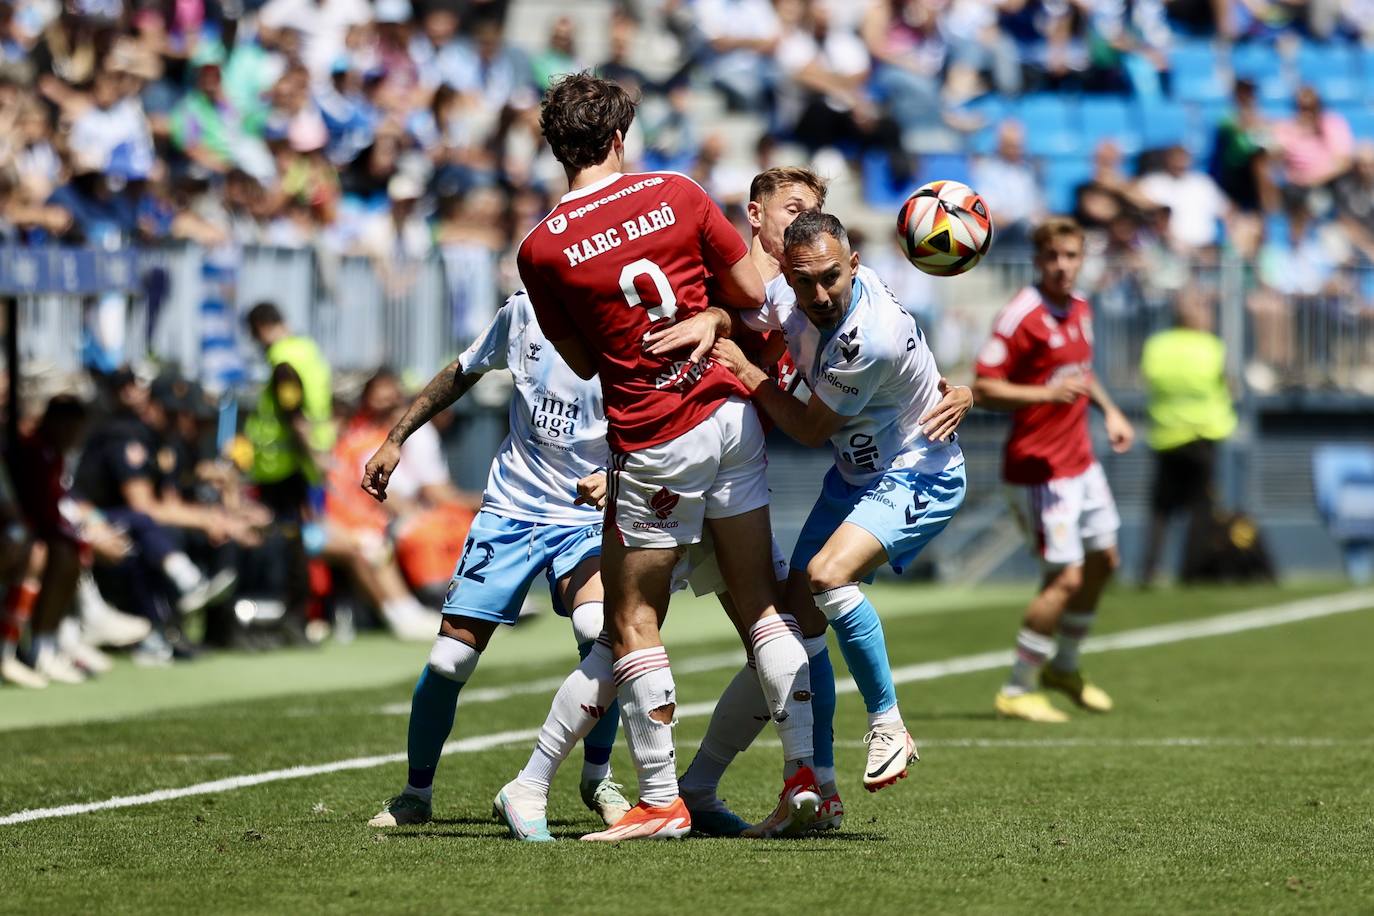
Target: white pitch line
(1028, 743)
(1223, 624)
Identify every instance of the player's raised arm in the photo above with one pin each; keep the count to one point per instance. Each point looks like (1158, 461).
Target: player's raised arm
(448, 385)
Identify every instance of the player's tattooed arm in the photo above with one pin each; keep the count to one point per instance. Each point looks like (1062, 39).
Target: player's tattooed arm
(811, 423)
(699, 332)
(447, 386)
(1120, 432)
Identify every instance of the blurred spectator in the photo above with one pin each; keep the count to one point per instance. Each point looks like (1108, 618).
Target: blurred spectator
(359, 528)
(1241, 154)
(740, 38)
(559, 57)
(322, 24)
(1197, 208)
(1316, 145)
(1354, 194)
(909, 55)
(822, 98)
(206, 125)
(1184, 370)
(470, 236)
(979, 48)
(1297, 270)
(1109, 192)
(1009, 185)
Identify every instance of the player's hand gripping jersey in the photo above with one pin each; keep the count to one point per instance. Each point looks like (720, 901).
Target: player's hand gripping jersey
(557, 425)
(1033, 345)
(875, 368)
(612, 260)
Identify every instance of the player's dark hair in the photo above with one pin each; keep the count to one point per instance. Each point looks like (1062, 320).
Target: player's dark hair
(1054, 227)
(771, 181)
(810, 225)
(264, 315)
(580, 116)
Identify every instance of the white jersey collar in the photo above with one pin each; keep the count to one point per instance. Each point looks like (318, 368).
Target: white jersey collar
(591, 188)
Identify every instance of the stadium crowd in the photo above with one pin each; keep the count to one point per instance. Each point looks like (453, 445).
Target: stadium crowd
(390, 130)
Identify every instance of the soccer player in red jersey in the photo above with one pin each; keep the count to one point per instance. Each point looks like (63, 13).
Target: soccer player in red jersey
(1038, 364)
(619, 257)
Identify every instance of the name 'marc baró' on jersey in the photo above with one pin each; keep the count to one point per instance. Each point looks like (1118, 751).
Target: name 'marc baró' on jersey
(612, 261)
(557, 423)
(875, 368)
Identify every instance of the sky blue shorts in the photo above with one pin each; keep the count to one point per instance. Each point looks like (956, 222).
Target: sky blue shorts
(904, 510)
(503, 555)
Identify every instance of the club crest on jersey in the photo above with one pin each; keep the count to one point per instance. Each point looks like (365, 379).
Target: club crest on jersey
(663, 503)
(849, 345)
(558, 223)
(533, 355)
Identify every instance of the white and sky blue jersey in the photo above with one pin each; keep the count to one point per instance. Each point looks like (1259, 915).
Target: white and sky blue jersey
(875, 368)
(557, 423)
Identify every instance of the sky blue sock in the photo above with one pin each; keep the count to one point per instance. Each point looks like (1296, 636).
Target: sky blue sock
(823, 708)
(596, 747)
(860, 635)
(431, 719)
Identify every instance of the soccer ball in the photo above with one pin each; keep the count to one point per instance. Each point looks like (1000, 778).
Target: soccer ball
(944, 228)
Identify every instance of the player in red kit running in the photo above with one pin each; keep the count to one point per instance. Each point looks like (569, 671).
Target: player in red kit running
(619, 257)
(1038, 364)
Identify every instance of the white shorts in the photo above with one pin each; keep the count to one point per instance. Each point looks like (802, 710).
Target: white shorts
(661, 496)
(699, 569)
(1067, 517)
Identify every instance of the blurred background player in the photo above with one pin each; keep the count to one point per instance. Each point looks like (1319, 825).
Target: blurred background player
(898, 477)
(530, 522)
(1038, 364)
(619, 254)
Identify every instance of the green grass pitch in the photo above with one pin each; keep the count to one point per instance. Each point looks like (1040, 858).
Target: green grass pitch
(1236, 775)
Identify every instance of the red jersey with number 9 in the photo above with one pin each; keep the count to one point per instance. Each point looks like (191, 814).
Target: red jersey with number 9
(622, 257)
(1031, 344)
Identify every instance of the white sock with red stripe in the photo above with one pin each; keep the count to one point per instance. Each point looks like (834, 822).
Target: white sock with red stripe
(1073, 629)
(785, 677)
(644, 683)
(578, 705)
(1032, 649)
(739, 716)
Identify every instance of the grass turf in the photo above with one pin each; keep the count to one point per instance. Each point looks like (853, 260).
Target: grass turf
(1233, 777)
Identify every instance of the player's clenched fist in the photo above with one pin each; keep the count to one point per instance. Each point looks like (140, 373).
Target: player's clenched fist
(591, 490)
(378, 470)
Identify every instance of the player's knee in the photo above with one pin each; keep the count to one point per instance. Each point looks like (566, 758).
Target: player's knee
(824, 573)
(453, 659)
(588, 620)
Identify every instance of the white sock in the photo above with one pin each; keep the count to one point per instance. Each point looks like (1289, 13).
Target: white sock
(785, 676)
(184, 574)
(739, 716)
(595, 772)
(644, 683)
(402, 606)
(9, 651)
(44, 646)
(886, 717)
(1073, 629)
(1032, 649)
(578, 704)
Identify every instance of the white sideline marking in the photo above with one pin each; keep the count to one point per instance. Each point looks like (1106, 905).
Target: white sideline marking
(1223, 624)
(1112, 742)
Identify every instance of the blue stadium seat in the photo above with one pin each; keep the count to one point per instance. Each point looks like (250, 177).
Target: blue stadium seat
(1165, 123)
(1330, 68)
(937, 166)
(1106, 116)
(1051, 122)
(1260, 63)
(1196, 73)
(993, 109)
(1364, 68)
(880, 190)
(1062, 175)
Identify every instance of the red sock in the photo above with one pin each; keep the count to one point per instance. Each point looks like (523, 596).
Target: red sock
(18, 609)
